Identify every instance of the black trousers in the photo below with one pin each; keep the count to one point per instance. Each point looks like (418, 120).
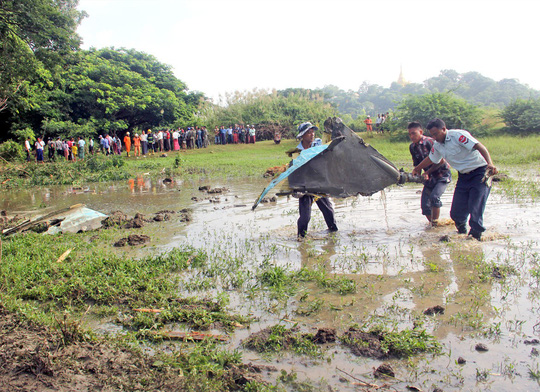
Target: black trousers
(470, 198)
(324, 204)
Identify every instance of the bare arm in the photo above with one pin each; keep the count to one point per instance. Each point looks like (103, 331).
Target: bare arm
(425, 163)
(485, 153)
(435, 167)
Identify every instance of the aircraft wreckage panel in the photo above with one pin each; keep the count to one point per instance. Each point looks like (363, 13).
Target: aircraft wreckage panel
(347, 168)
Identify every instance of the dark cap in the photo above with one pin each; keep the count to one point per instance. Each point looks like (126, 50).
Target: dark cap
(304, 127)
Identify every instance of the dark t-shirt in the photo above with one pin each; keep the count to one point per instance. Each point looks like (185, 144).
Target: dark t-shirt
(419, 151)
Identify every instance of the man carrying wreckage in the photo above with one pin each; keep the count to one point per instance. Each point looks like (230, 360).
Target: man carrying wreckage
(306, 134)
(473, 162)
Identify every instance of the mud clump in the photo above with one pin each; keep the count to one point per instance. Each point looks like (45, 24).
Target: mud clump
(133, 240)
(384, 370)
(37, 358)
(261, 368)
(217, 190)
(136, 223)
(278, 338)
(365, 344)
(185, 215)
(380, 344)
(437, 309)
(264, 340)
(162, 217)
(208, 189)
(481, 347)
(325, 335)
(115, 218)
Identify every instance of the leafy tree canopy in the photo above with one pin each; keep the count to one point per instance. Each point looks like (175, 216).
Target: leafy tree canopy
(33, 35)
(106, 91)
(522, 116)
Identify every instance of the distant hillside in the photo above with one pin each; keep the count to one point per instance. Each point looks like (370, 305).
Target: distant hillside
(471, 86)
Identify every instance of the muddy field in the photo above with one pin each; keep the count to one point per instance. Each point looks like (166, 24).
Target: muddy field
(480, 300)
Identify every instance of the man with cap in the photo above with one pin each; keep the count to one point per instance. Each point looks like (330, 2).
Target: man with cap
(306, 135)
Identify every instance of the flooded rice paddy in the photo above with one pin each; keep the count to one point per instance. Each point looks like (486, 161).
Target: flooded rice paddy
(400, 267)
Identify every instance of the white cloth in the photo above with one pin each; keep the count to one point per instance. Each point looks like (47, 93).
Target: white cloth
(316, 142)
(458, 151)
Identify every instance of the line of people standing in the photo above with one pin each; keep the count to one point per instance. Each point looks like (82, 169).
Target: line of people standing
(235, 135)
(68, 149)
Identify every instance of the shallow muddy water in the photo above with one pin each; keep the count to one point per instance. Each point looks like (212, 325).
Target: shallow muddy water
(384, 244)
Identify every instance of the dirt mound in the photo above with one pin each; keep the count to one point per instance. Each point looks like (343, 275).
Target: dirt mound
(437, 309)
(36, 358)
(115, 218)
(325, 335)
(365, 344)
(133, 240)
(162, 217)
(137, 222)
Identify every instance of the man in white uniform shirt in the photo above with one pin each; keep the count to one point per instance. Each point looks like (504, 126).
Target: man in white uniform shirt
(472, 161)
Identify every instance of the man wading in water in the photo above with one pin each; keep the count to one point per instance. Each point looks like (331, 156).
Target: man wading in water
(473, 162)
(306, 134)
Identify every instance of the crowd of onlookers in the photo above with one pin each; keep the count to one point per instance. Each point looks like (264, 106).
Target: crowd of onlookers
(148, 142)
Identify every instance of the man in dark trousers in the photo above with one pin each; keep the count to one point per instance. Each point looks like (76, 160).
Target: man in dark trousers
(472, 161)
(306, 134)
(436, 177)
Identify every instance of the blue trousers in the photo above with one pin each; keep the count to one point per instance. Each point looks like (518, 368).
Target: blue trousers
(431, 195)
(324, 204)
(470, 198)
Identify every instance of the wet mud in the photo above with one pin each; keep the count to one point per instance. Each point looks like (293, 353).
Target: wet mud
(407, 274)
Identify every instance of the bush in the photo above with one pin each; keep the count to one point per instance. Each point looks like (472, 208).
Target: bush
(522, 116)
(12, 151)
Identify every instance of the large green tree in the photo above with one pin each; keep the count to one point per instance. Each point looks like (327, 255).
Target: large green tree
(106, 91)
(34, 35)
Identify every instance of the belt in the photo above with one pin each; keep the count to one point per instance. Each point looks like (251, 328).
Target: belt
(474, 171)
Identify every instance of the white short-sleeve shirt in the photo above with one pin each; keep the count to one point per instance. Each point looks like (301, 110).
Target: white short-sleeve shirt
(458, 151)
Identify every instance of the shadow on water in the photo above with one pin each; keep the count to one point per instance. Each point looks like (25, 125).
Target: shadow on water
(400, 267)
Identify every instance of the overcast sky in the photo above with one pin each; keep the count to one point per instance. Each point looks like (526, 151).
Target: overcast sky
(218, 46)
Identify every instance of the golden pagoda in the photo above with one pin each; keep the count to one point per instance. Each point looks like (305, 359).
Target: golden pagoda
(401, 80)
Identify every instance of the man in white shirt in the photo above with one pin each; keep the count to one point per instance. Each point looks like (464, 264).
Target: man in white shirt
(472, 161)
(39, 150)
(27, 148)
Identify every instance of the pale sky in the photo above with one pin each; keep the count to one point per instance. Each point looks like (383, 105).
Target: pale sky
(218, 46)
